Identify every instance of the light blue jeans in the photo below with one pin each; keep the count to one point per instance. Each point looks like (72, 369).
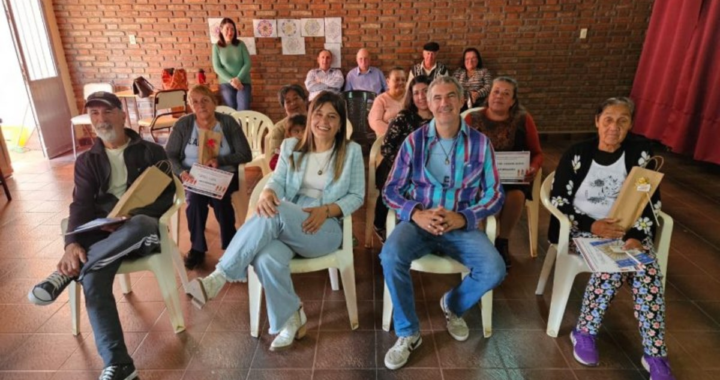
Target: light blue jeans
(269, 244)
(239, 100)
(409, 242)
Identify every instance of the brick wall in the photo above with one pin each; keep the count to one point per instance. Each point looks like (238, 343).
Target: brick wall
(562, 78)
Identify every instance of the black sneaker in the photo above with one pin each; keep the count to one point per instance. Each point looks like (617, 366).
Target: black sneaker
(194, 259)
(503, 247)
(48, 291)
(119, 372)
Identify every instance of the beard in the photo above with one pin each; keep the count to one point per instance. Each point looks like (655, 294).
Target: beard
(106, 132)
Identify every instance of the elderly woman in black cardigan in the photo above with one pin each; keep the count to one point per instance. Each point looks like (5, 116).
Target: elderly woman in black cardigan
(182, 151)
(587, 182)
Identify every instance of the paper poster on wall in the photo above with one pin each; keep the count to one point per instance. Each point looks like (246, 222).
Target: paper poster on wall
(335, 50)
(214, 28)
(249, 44)
(313, 27)
(289, 28)
(265, 28)
(293, 45)
(333, 30)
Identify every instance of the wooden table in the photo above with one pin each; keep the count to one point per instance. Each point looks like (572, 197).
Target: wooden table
(124, 95)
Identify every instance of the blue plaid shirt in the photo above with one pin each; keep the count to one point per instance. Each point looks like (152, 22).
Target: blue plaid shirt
(474, 189)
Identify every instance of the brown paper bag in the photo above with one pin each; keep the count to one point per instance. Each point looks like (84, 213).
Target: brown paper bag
(208, 145)
(144, 191)
(638, 188)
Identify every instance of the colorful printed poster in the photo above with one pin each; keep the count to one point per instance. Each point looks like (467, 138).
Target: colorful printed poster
(214, 29)
(313, 27)
(249, 44)
(335, 50)
(333, 30)
(265, 28)
(289, 28)
(293, 45)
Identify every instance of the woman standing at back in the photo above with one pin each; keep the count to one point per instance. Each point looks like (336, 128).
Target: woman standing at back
(231, 62)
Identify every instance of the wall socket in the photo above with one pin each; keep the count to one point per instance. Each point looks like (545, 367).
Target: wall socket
(583, 33)
(133, 41)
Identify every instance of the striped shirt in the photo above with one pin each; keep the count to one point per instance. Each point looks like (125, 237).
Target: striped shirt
(474, 189)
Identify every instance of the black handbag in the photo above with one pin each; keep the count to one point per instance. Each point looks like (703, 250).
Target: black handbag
(142, 87)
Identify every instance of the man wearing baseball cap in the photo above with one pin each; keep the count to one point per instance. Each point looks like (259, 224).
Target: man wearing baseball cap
(429, 66)
(92, 258)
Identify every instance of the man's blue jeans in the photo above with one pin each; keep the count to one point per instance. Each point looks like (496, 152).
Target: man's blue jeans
(409, 242)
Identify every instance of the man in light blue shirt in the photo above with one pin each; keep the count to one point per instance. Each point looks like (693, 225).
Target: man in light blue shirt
(365, 77)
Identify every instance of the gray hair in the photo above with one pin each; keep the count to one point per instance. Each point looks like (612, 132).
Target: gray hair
(445, 80)
(616, 101)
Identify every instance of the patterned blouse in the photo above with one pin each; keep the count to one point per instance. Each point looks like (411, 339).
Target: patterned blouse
(399, 128)
(480, 81)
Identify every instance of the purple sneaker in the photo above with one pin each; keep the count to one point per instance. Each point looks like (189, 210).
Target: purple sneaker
(584, 348)
(659, 368)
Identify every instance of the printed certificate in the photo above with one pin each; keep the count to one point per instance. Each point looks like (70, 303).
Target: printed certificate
(512, 166)
(208, 181)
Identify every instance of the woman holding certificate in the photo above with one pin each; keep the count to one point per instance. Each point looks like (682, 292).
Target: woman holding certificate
(219, 140)
(587, 182)
(510, 128)
(319, 179)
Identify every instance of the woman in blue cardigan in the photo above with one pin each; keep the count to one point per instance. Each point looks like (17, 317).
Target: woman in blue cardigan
(318, 180)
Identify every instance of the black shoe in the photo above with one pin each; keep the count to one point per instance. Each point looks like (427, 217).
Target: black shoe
(119, 372)
(503, 247)
(194, 259)
(381, 233)
(48, 291)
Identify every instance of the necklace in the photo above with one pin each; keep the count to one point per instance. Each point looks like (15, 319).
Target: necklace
(446, 153)
(322, 167)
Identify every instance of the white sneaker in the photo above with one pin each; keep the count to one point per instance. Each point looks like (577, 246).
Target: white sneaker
(205, 289)
(294, 329)
(399, 354)
(456, 326)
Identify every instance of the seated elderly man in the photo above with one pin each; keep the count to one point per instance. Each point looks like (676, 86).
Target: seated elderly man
(365, 77)
(429, 65)
(442, 185)
(323, 78)
(102, 175)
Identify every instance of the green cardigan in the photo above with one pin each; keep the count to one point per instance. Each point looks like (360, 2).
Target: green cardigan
(231, 62)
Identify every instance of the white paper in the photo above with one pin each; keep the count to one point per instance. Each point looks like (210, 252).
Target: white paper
(265, 28)
(249, 44)
(333, 30)
(335, 50)
(607, 255)
(293, 45)
(289, 28)
(214, 29)
(512, 166)
(313, 27)
(208, 181)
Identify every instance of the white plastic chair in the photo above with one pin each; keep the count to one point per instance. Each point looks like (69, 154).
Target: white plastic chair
(341, 260)
(567, 266)
(225, 110)
(432, 263)
(161, 264)
(175, 104)
(372, 191)
(84, 119)
(255, 125)
(532, 207)
(348, 129)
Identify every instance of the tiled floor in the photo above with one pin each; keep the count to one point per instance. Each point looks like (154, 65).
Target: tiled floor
(35, 342)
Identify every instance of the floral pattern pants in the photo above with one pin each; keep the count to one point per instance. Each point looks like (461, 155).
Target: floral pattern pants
(649, 307)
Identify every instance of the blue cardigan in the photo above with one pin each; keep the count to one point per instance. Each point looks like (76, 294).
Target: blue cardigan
(348, 192)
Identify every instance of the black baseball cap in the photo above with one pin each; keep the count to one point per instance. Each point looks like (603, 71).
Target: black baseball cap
(431, 46)
(103, 98)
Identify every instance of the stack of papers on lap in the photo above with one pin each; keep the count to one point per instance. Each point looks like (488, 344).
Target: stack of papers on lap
(607, 255)
(512, 166)
(97, 224)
